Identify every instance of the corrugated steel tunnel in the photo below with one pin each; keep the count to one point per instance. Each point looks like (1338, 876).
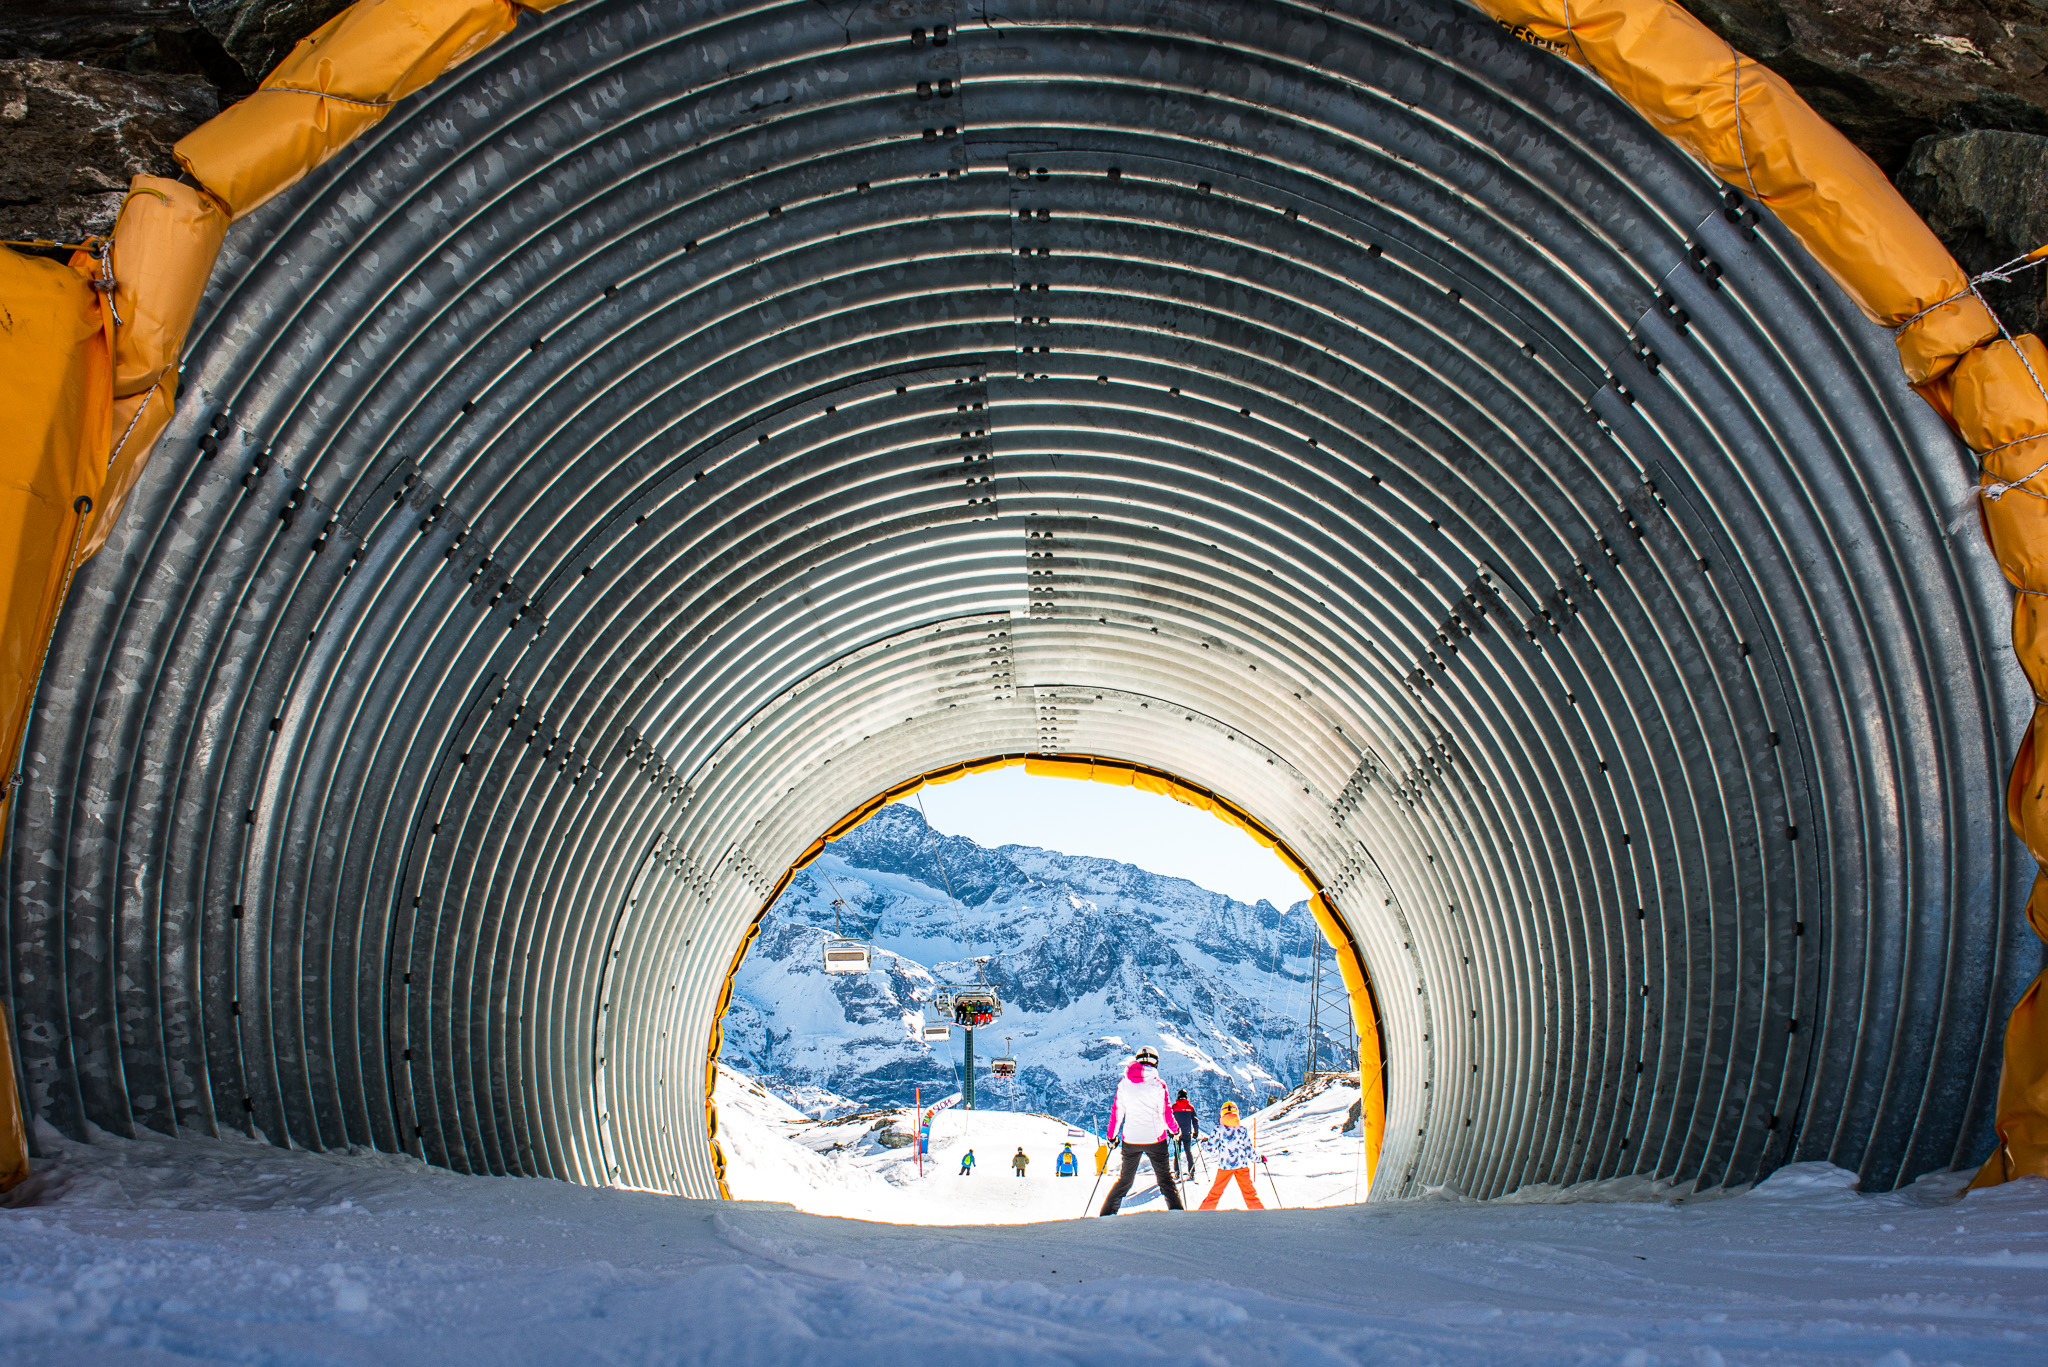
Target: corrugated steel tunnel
(686, 421)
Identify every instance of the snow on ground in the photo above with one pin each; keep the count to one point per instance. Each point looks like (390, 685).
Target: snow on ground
(1314, 1149)
(174, 1251)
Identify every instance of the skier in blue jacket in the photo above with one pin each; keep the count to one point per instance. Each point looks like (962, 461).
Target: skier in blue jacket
(1066, 1165)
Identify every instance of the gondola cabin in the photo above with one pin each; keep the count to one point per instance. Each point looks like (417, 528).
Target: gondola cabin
(846, 956)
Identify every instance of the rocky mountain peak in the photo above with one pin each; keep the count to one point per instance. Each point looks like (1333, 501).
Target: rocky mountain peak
(1093, 957)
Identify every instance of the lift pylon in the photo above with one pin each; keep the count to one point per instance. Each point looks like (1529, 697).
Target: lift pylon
(1332, 1029)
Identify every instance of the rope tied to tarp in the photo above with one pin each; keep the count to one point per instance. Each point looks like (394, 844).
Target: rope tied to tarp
(100, 248)
(1742, 143)
(2001, 274)
(325, 95)
(1997, 488)
(48, 245)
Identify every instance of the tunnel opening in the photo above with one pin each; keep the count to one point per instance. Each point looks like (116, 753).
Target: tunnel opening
(1368, 1062)
(608, 470)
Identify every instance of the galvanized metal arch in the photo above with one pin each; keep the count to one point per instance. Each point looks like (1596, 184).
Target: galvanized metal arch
(676, 427)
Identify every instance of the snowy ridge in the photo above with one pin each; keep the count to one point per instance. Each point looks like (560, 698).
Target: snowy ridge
(1093, 958)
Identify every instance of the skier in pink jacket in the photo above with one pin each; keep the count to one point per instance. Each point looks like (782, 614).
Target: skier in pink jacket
(1142, 1120)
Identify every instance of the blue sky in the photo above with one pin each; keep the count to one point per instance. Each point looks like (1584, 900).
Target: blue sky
(1011, 807)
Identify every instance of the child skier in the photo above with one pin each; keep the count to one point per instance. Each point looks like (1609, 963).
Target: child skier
(1230, 1148)
(967, 1163)
(1020, 1160)
(1143, 1121)
(1066, 1165)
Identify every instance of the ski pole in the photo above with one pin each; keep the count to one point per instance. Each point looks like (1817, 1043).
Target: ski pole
(1085, 1210)
(1270, 1183)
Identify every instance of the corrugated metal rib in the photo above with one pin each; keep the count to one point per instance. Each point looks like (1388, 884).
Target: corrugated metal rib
(675, 430)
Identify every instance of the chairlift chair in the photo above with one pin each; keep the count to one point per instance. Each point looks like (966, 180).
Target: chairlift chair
(843, 953)
(1004, 1064)
(979, 1003)
(937, 1032)
(846, 955)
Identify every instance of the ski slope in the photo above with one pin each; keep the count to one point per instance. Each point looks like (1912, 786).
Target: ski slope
(843, 1167)
(161, 1251)
(864, 1166)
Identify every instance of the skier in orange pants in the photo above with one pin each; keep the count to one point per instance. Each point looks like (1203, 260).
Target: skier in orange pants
(1230, 1148)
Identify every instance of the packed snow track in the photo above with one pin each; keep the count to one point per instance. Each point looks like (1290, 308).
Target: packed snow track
(170, 1251)
(686, 421)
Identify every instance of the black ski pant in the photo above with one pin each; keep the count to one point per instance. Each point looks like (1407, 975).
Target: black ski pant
(1184, 1153)
(1162, 1169)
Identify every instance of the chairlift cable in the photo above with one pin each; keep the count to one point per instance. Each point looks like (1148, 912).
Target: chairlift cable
(841, 953)
(959, 926)
(838, 901)
(981, 988)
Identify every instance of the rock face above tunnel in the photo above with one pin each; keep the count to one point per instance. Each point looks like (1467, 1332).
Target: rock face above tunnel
(230, 43)
(258, 33)
(93, 92)
(1888, 74)
(1986, 195)
(74, 135)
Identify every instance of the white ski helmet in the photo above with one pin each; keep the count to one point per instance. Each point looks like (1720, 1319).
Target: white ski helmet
(1149, 1055)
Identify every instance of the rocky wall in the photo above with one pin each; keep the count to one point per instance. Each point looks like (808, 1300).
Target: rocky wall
(1948, 96)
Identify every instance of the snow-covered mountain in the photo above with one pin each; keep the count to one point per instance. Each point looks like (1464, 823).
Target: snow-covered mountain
(1092, 957)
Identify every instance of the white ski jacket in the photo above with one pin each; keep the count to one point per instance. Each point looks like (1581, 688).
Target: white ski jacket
(1141, 1113)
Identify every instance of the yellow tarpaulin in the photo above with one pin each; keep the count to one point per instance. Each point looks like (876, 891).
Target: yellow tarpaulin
(1996, 403)
(56, 390)
(1752, 129)
(164, 246)
(338, 82)
(13, 1137)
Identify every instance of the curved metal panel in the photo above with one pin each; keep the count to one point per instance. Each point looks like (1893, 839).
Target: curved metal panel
(683, 424)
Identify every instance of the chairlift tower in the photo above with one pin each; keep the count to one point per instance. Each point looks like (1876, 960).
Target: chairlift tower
(967, 1074)
(1334, 1050)
(963, 1004)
